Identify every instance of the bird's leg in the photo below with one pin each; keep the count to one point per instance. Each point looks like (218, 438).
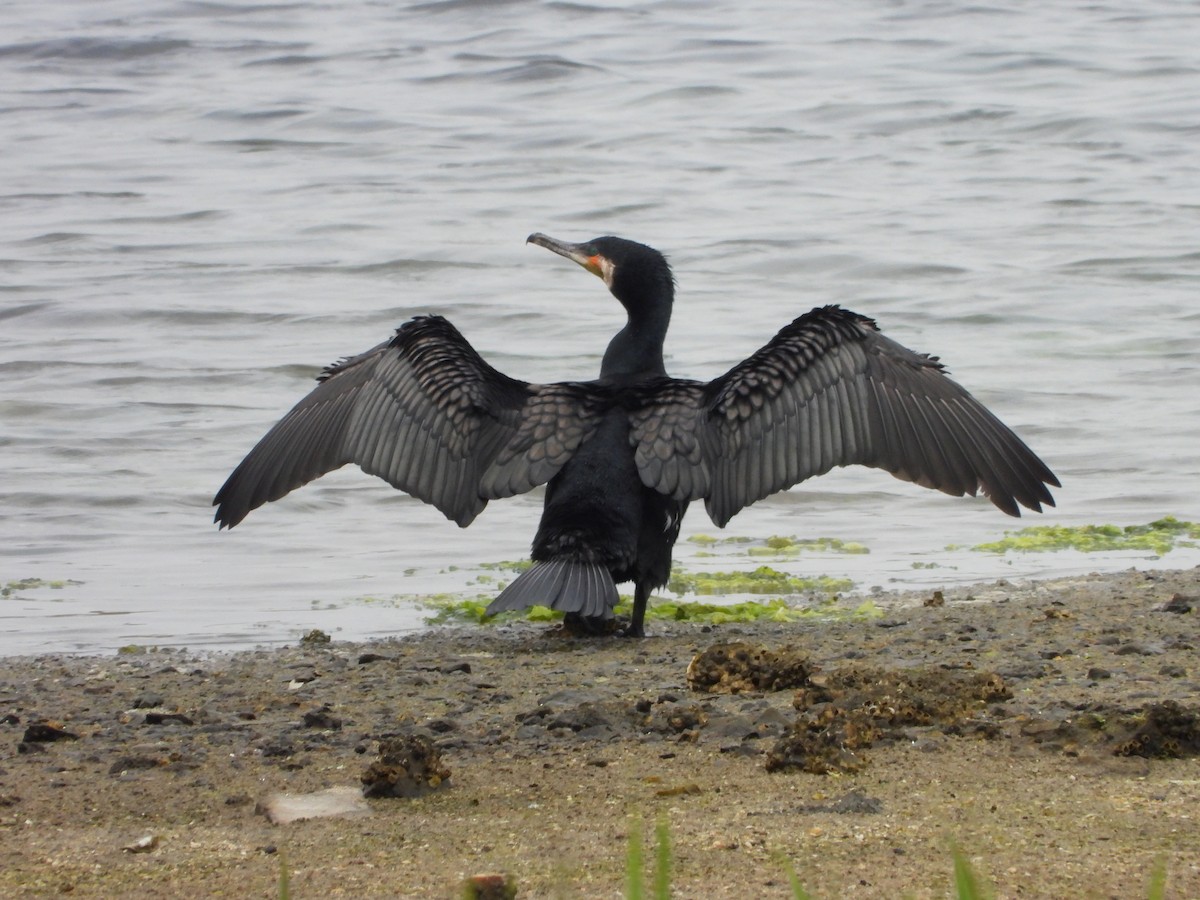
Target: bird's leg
(641, 594)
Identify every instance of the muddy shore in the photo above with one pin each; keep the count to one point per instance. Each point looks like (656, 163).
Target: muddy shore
(151, 774)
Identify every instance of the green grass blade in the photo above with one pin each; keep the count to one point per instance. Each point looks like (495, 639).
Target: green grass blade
(634, 865)
(285, 889)
(1158, 880)
(798, 891)
(966, 884)
(662, 860)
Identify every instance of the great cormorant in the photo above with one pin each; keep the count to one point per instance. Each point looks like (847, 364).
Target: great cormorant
(623, 455)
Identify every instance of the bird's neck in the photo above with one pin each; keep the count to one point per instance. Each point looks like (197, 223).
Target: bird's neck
(637, 349)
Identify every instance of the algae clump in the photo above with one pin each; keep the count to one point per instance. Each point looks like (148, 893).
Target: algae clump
(779, 545)
(472, 611)
(1160, 536)
(12, 588)
(763, 580)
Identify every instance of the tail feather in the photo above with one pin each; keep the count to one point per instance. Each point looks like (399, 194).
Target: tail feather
(586, 589)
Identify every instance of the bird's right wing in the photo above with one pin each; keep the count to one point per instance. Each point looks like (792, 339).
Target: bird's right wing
(828, 390)
(426, 413)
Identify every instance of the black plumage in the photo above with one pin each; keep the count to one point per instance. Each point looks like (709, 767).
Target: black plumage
(623, 455)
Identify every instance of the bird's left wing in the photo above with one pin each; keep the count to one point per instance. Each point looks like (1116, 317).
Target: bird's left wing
(828, 390)
(426, 413)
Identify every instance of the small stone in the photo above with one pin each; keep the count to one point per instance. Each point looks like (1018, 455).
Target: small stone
(44, 733)
(323, 719)
(168, 719)
(1178, 604)
(142, 845)
(407, 767)
(490, 887)
(1054, 654)
(277, 748)
(132, 762)
(336, 801)
(1136, 650)
(855, 802)
(738, 667)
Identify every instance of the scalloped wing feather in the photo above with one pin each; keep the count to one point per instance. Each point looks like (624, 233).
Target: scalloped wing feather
(828, 390)
(427, 414)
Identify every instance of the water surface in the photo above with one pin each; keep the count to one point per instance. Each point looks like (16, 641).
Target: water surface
(203, 203)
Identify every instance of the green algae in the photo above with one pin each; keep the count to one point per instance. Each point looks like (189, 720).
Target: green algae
(508, 565)
(13, 588)
(708, 539)
(473, 611)
(448, 609)
(763, 580)
(779, 545)
(1159, 537)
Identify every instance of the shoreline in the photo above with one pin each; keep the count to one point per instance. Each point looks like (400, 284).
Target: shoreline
(556, 746)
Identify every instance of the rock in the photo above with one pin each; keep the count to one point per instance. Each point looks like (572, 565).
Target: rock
(142, 845)
(407, 767)
(1178, 604)
(737, 666)
(158, 718)
(582, 717)
(44, 733)
(849, 709)
(1138, 649)
(335, 801)
(1162, 731)
(322, 718)
(490, 887)
(277, 748)
(133, 762)
(854, 802)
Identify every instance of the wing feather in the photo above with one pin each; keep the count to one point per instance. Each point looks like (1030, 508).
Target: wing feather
(427, 414)
(828, 390)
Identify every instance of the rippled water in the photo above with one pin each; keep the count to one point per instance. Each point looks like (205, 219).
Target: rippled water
(202, 203)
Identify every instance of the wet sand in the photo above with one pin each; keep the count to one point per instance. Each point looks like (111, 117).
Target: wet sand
(556, 746)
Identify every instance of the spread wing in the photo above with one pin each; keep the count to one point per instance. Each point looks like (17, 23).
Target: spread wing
(427, 414)
(828, 390)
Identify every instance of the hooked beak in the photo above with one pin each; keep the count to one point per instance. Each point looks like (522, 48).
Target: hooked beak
(579, 253)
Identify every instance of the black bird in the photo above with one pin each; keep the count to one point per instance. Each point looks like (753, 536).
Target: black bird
(624, 454)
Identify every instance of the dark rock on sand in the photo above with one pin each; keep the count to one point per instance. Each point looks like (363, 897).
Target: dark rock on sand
(408, 766)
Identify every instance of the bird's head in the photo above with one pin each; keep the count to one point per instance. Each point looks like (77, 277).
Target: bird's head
(638, 276)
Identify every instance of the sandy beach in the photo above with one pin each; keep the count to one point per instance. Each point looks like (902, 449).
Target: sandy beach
(1048, 730)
